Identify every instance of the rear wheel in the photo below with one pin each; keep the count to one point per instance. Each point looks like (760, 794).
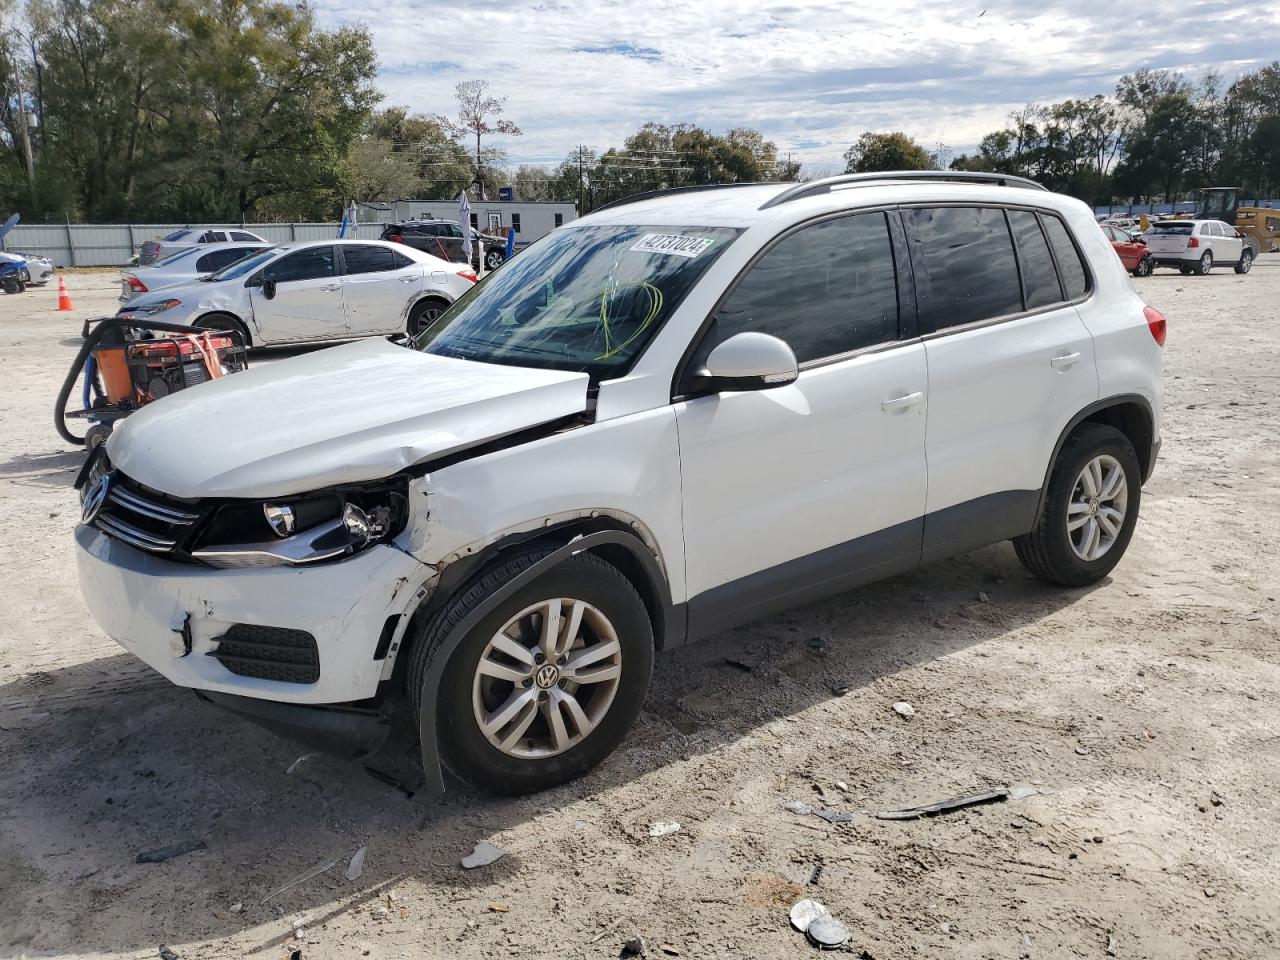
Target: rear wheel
(1205, 263)
(1246, 261)
(424, 314)
(494, 259)
(545, 686)
(1144, 267)
(1090, 509)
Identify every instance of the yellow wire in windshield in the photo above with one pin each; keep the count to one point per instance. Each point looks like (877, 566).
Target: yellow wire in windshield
(606, 297)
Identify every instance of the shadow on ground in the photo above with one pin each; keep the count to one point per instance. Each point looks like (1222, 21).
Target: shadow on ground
(106, 759)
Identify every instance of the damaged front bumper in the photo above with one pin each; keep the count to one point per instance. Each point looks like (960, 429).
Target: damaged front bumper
(322, 634)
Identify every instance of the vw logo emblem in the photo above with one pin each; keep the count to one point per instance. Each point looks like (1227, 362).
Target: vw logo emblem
(94, 498)
(548, 676)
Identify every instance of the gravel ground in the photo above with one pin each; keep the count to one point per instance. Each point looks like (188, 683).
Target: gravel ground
(1143, 710)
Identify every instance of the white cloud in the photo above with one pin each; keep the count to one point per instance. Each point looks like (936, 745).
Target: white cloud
(810, 75)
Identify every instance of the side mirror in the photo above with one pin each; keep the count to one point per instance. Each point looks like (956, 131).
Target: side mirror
(749, 361)
(269, 288)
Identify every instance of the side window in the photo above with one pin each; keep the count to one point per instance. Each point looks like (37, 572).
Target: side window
(1075, 281)
(311, 264)
(515, 222)
(212, 262)
(825, 289)
(1039, 278)
(559, 219)
(207, 237)
(366, 258)
(400, 260)
(241, 237)
(455, 230)
(963, 262)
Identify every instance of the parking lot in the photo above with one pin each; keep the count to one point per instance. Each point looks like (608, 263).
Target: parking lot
(1142, 711)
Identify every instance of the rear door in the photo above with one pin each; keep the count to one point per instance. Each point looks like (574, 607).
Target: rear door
(378, 284)
(802, 490)
(1009, 362)
(308, 297)
(1226, 245)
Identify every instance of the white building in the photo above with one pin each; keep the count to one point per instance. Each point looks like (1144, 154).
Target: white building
(532, 219)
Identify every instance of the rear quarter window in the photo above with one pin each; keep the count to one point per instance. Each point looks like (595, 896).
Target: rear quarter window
(1075, 277)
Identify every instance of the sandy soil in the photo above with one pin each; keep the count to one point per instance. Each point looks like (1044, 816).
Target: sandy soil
(1144, 709)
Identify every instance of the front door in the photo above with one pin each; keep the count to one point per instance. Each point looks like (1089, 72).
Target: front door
(378, 284)
(1009, 360)
(806, 489)
(308, 298)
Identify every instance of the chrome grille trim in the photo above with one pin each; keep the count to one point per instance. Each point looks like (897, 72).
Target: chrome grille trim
(131, 501)
(132, 535)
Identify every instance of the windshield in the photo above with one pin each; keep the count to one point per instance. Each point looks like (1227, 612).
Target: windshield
(177, 235)
(586, 299)
(1181, 229)
(245, 264)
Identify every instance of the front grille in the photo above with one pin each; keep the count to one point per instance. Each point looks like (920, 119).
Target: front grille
(143, 519)
(269, 653)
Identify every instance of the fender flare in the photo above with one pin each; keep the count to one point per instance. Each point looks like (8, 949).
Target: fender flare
(432, 769)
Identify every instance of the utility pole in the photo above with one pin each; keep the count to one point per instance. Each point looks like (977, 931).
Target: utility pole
(581, 150)
(24, 132)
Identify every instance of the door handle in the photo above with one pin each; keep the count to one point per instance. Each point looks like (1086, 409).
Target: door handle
(1065, 361)
(408, 279)
(330, 287)
(901, 403)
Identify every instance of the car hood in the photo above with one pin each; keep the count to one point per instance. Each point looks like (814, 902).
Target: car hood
(357, 412)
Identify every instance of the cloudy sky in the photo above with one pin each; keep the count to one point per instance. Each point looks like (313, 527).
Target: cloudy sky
(810, 74)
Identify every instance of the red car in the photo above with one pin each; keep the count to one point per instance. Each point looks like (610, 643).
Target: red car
(1133, 253)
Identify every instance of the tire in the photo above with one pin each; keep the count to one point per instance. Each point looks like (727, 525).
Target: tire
(224, 321)
(96, 436)
(424, 313)
(1245, 264)
(1144, 267)
(1049, 550)
(1185, 271)
(1205, 263)
(532, 763)
(493, 259)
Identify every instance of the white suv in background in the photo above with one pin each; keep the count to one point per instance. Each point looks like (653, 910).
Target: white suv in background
(1195, 246)
(675, 415)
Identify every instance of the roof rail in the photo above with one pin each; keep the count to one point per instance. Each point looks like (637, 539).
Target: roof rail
(650, 194)
(817, 187)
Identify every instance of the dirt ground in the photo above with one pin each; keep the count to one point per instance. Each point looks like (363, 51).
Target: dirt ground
(1144, 710)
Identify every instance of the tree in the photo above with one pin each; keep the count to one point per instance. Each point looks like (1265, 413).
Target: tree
(886, 151)
(399, 155)
(479, 115)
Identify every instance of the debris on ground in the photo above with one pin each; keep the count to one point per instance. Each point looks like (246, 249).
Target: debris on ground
(634, 946)
(798, 807)
(1210, 892)
(827, 933)
(804, 912)
(945, 806)
(738, 664)
(236, 907)
(161, 854)
(356, 866)
(1216, 799)
(1022, 791)
(663, 827)
(904, 709)
(294, 766)
(983, 598)
(497, 908)
(167, 954)
(303, 877)
(815, 875)
(833, 816)
(484, 854)
(669, 950)
(380, 912)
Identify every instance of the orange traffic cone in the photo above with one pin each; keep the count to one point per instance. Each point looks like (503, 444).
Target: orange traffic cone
(64, 299)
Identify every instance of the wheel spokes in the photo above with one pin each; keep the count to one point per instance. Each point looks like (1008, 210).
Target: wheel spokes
(1112, 484)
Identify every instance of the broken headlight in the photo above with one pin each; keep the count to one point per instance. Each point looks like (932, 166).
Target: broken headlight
(309, 528)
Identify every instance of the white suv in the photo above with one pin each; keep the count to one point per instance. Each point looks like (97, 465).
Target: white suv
(675, 415)
(1194, 246)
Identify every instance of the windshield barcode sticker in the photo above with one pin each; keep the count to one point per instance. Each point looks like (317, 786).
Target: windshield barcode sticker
(672, 243)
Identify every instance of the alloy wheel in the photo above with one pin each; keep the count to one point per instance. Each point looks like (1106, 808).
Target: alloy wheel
(1099, 501)
(547, 678)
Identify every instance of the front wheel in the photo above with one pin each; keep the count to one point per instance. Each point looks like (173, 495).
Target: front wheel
(545, 686)
(1089, 511)
(1205, 264)
(1246, 261)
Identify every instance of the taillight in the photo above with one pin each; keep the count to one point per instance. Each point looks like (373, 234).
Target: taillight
(468, 275)
(1193, 243)
(136, 285)
(1155, 323)
(396, 238)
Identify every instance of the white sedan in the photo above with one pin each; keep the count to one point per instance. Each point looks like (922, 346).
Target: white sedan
(318, 290)
(185, 266)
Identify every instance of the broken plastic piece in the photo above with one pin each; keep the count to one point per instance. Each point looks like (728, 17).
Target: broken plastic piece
(833, 816)
(827, 933)
(805, 912)
(356, 866)
(663, 827)
(161, 854)
(944, 806)
(484, 854)
(315, 871)
(798, 807)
